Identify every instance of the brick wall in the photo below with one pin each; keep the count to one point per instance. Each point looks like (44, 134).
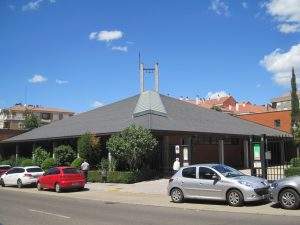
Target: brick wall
(268, 118)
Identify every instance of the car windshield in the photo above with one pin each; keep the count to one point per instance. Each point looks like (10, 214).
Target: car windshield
(227, 171)
(34, 170)
(71, 171)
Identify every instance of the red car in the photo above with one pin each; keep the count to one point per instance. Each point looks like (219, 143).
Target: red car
(4, 169)
(61, 178)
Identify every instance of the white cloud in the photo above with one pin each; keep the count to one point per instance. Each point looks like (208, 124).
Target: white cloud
(58, 81)
(280, 63)
(105, 35)
(93, 35)
(97, 104)
(120, 48)
(245, 5)
(219, 7)
(37, 78)
(288, 28)
(35, 5)
(218, 94)
(286, 12)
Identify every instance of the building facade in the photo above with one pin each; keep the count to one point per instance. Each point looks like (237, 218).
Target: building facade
(280, 120)
(13, 117)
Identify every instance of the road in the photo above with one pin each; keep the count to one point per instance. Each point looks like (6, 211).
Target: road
(18, 208)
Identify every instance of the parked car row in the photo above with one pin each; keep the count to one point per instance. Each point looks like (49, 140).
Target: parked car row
(223, 183)
(56, 178)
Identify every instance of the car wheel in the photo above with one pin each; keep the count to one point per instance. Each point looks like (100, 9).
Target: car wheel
(57, 188)
(19, 183)
(235, 198)
(289, 199)
(39, 187)
(2, 183)
(177, 195)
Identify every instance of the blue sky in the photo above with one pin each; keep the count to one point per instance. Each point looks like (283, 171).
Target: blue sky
(75, 54)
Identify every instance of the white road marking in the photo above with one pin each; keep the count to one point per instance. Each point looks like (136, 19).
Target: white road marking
(48, 213)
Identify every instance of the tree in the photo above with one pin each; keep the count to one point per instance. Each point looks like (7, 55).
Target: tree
(64, 155)
(40, 155)
(294, 100)
(31, 121)
(133, 146)
(88, 146)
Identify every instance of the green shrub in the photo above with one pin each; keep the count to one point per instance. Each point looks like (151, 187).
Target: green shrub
(19, 160)
(122, 177)
(292, 171)
(27, 162)
(94, 176)
(5, 162)
(104, 165)
(295, 162)
(40, 155)
(77, 163)
(64, 155)
(48, 163)
(88, 146)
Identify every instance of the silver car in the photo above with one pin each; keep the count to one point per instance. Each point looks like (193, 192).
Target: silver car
(217, 182)
(286, 192)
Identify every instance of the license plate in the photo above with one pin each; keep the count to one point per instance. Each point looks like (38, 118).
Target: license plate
(75, 184)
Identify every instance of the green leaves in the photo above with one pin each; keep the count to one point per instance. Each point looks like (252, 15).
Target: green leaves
(133, 145)
(31, 121)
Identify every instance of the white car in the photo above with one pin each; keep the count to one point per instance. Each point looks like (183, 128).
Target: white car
(20, 176)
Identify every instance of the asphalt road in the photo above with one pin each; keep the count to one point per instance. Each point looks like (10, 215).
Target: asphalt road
(31, 209)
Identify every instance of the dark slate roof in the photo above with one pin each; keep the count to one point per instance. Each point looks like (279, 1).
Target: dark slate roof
(181, 116)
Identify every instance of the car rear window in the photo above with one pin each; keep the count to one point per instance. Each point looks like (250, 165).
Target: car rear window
(5, 167)
(71, 171)
(34, 170)
(189, 172)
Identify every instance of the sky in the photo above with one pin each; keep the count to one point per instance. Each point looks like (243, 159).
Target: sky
(81, 54)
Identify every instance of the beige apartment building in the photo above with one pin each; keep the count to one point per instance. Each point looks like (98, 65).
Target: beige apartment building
(13, 117)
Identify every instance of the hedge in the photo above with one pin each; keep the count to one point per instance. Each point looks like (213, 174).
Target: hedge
(27, 162)
(77, 163)
(94, 176)
(295, 162)
(126, 177)
(292, 171)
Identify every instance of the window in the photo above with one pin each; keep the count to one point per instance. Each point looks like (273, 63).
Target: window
(46, 116)
(71, 171)
(53, 171)
(34, 170)
(189, 172)
(206, 173)
(277, 123)
(61, 116)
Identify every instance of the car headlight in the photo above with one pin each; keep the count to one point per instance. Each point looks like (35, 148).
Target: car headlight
(246, 183)
(274, 185)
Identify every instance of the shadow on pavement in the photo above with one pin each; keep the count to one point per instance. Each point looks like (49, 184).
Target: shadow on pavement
(210, 202)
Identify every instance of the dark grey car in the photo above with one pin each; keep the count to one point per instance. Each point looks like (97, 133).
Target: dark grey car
(217, 182)
(286, 192)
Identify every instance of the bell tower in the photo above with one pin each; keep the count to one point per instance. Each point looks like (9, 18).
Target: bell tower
(152, 71)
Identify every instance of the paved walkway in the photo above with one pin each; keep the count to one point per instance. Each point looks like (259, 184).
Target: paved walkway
(141, 195)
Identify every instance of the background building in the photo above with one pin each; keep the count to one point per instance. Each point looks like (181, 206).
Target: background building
(13, 117)
(229, 105)
(283, 102)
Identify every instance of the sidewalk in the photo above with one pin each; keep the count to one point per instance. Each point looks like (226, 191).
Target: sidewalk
(132, 194)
